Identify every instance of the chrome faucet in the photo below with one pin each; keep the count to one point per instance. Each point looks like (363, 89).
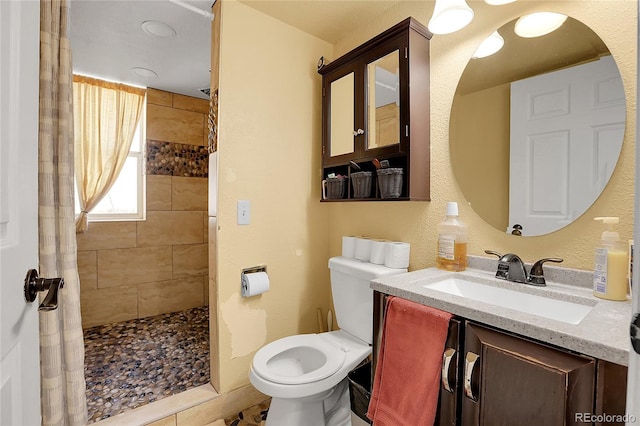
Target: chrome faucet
(511, 268)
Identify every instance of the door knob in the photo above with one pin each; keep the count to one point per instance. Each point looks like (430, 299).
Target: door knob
(33, 284)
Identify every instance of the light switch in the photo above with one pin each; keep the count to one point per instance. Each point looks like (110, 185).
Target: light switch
(244, 212)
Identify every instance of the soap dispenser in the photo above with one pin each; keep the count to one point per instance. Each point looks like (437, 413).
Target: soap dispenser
(611, 263)
(452, 241)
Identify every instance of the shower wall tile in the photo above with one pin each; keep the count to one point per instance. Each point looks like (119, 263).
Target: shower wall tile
(88, 270)
(175, 125)
(171, 243)
(107, 305)
(159, 97)
(158, 192)
(167, 421)
(190, 103)
(190, 260)
(133, 266)
(170, 228)
(225, 405)
(205, 227)
(107, 235)
(214, 367)
(189, 193)
(170, 296)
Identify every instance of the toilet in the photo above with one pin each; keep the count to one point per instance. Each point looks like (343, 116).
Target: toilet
(306, 374)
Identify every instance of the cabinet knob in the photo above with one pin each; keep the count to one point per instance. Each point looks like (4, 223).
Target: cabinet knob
(448, 356)
(469, 366)
(358, 132)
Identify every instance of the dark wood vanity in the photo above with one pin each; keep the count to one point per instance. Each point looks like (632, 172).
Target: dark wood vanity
(493, 377)
(375, 105)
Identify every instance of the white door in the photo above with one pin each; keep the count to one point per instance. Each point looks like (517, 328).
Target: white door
(633, 379)
(19, 362)
(567, 129)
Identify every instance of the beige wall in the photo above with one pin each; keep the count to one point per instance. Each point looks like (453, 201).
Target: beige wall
(270, 139)
(135, 269)
(614, 21)
(269, 148)
(483, 147)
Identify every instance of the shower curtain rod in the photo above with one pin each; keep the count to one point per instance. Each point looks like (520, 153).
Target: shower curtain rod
(201, 12)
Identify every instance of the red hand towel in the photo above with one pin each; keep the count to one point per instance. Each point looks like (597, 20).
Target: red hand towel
(407, 377)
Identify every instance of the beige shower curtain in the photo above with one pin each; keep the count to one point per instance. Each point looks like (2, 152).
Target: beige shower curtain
(61, 341)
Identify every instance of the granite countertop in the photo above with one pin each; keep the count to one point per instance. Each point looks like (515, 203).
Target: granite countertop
(603, 333)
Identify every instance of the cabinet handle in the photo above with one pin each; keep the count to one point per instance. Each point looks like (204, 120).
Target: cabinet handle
(358, 132)
(448, 356)
(469, 366)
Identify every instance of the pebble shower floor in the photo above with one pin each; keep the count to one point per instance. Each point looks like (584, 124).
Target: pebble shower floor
(133, 363)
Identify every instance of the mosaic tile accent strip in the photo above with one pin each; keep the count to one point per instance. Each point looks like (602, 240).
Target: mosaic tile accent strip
(177, 159)
(252, 416)
(133, 363)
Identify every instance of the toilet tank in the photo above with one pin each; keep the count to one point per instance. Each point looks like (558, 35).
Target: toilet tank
(352, 296)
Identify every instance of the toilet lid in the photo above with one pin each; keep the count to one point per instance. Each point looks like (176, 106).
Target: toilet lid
(303, 358)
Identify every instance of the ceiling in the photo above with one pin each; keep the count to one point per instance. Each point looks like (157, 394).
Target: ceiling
(107, 40)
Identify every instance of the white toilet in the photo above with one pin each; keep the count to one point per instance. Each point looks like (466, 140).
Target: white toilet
(306, 374)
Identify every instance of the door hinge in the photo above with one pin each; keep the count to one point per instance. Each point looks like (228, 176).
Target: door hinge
(406, 130)
(406, 52)
(323, 90)
(635, 333)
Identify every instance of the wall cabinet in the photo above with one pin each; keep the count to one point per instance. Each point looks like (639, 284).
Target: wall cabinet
(375, 105)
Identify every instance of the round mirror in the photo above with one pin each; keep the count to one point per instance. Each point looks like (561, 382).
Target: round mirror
(536, 128)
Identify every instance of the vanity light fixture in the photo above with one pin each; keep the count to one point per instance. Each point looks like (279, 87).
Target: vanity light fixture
(450, 16)
(158, 29)
(489, 46)
(539, 24)
(498, 2)
(144, 72)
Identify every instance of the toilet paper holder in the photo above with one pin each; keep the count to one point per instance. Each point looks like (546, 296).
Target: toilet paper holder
(245, 286)
(259, 268)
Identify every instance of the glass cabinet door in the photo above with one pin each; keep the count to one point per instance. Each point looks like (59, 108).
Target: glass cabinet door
(383, 101)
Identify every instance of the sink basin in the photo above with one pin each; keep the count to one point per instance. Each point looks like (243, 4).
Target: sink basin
(560, 310)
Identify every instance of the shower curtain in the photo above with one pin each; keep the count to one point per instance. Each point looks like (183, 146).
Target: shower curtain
(61, 341)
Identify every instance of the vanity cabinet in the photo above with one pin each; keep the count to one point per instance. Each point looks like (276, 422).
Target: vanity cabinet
(503, 379)
(491, 377)
(375, 105)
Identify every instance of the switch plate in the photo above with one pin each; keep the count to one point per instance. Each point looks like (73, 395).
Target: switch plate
(244, 212)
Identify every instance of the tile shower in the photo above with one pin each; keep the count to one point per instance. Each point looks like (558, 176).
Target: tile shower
(145, 283)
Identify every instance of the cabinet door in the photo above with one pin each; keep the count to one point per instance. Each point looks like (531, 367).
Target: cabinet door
(512, 381)
(342, 112)
(385, 100)
(448, 403)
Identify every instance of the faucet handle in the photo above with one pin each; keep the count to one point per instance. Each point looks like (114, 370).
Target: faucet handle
(536, 275)
(495, 253)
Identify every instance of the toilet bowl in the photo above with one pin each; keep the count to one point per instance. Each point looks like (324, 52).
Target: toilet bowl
(306, 374)
(306, 365)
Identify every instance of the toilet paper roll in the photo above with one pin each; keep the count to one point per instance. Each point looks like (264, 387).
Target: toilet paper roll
(254, 283)
(349, 246)
(377, 251)
(363, 249)
(396, 255)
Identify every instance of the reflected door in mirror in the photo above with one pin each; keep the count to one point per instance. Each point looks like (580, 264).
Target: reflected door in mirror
(567, 128)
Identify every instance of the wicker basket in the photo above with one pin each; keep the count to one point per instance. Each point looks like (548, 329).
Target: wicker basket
(390, 182)
(335, 188)
(361, 182)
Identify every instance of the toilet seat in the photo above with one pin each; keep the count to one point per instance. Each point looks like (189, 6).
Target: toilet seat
(298, 359)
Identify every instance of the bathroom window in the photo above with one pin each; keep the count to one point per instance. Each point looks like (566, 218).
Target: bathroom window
(126, 198)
